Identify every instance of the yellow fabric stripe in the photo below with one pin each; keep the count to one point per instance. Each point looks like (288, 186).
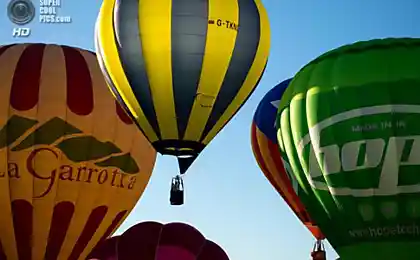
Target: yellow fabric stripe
(74, 191)
(253, 75)
(23, 187)
(7, 236)
(106, 41)
(215, 64)
(104, 120)
(145, 156)
(52, 103)
(104, 129)
(155, 32)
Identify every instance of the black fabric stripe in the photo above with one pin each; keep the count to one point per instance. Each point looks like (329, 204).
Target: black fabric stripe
(127, 33)
(189, 32)
(246, 99)
(111, 84)
(247, 41)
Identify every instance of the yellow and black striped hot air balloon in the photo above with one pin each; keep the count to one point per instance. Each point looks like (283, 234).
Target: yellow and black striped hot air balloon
(72, 163)
(182, 68)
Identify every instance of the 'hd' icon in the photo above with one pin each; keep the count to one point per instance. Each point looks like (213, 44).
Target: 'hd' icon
(21, 32)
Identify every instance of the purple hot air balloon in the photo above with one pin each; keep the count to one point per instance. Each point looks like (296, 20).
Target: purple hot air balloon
(156, 241)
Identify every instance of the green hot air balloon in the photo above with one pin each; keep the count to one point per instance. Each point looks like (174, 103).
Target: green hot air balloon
(349, 126)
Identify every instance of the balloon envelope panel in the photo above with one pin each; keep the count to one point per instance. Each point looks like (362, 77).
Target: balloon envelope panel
(266, 112)
(105, 250)
(212, 251)
(72, 164)
(267, 153)
(154, 241)
(174, 253)
(182, 69)
(349, 129)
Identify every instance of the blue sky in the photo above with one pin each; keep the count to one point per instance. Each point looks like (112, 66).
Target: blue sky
(227, 197)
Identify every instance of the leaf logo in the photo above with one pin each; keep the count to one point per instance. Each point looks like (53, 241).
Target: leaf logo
(77, 147)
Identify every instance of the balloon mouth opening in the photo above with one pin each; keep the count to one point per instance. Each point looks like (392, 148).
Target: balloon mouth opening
(178, 148)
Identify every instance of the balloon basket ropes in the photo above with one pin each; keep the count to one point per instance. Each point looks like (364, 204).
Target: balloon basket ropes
(318, 252)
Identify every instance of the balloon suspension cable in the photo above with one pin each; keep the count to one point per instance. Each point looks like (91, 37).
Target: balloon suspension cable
(319, 245)
(179, 178)
(184, 162)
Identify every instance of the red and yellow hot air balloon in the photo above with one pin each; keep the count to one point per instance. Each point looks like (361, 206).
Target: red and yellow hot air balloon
(72, 164)
(267, 153)
(155, 241)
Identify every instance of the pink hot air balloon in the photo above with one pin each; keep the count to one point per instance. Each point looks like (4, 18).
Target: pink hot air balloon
(155, 241)
(105, 250)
